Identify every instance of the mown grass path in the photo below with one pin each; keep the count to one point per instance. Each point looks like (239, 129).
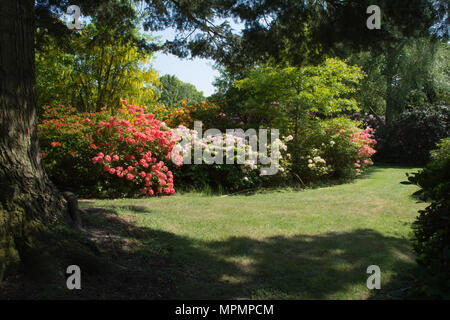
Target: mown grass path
(311, 244)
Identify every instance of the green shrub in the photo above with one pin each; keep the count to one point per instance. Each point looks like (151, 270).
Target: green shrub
(217, 177)
(410, 137)
(432, 226)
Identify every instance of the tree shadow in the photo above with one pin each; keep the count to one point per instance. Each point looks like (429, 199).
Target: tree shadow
(154, 264)
(310, 266)
(283, 267)
(132, 208)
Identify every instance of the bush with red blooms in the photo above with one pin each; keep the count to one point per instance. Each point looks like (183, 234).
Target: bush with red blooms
(108, 153)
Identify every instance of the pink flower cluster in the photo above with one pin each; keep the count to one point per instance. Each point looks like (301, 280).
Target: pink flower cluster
(365, 142)
(126, 144)
(161, 179)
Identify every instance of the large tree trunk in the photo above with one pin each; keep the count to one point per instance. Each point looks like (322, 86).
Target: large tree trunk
(29, 203)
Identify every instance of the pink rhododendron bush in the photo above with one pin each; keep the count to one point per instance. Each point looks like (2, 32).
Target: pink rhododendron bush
(331, 148)
(108, 153)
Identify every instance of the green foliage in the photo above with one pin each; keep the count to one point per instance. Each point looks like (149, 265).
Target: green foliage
(434, 178)
(409, 138)
(371, 96)
(422, 74)
(226, 178)
(432, 226)
(299, 32)
(96, 69)
(173, 91)
(414, 74)
(440, 72)
(325, 89)
(442, 153)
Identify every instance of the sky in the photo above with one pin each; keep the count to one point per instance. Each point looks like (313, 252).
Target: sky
(199, 72)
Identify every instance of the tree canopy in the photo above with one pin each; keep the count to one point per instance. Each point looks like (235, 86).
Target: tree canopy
(283, 30)
(291, 94)
(173, 91)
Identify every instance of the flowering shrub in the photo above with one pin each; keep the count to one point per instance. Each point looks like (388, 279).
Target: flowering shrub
(244, 172)
(317, 164)
(332, 148)
(126, 152)
(364, 142)
(107, 154)
(210, 114)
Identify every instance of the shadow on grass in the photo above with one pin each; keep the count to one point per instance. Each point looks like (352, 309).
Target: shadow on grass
(131, 208)
(157, 264)
(154, 264)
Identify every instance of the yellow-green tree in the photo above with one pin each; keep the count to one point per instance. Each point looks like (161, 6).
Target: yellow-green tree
(95, 69)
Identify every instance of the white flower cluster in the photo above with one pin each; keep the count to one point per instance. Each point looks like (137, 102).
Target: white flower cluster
(317, 164)
(225, 148)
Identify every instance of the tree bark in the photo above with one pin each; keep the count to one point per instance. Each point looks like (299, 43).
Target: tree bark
(390, 72)
(29, 202)
(392, 56)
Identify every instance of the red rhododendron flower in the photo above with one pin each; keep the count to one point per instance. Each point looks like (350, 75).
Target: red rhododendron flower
(129, 135)
(55, 144)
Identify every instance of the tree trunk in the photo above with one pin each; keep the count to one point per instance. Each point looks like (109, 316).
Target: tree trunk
(392, 59)
(29, 202)
(390, 72)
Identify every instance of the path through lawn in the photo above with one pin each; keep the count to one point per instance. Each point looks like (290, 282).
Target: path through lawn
(312, 244)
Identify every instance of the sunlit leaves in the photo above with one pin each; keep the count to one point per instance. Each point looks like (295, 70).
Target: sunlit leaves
(97, 70)
(327, 88)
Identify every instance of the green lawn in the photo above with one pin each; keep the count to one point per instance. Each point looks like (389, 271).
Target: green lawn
(311, 244)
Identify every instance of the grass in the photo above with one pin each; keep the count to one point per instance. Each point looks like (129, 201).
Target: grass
(279, 244)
